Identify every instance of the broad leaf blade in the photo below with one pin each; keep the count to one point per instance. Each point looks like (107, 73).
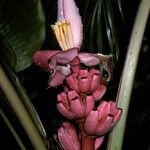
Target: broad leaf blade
(22, 28)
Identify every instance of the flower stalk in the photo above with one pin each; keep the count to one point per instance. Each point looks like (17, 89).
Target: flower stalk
(127, 78)
(87, 142)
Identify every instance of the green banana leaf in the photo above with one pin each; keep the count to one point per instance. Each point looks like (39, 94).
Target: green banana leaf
(22, 31)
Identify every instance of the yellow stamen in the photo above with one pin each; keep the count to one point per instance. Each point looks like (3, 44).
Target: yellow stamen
(62, 36)
(63, 33)
(64, 29)
(56, 32)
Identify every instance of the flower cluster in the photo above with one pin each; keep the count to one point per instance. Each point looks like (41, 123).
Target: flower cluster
(82, 87)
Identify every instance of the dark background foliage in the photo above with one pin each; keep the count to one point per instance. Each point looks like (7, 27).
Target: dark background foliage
(44, 99)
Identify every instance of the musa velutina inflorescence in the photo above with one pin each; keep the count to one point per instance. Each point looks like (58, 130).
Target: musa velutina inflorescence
(83, 86)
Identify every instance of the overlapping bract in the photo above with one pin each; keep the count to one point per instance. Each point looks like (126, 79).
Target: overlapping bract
(63, 63)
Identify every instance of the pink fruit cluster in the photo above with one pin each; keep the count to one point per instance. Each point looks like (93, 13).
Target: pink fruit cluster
(82, 88)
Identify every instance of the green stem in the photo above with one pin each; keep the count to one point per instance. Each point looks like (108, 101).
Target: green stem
(126, 82)
(21, 112)
(15, 135)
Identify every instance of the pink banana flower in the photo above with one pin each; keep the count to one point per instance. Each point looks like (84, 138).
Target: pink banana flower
(102, 120)
(74, 106)
(67, 137)
(87, 82)
(69, 34)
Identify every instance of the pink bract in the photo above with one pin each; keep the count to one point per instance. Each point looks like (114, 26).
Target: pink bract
(50, 59)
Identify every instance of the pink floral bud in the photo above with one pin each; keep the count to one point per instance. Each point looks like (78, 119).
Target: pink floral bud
(67, 137)
(102, 120)
(87, 82)
(74, 106)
